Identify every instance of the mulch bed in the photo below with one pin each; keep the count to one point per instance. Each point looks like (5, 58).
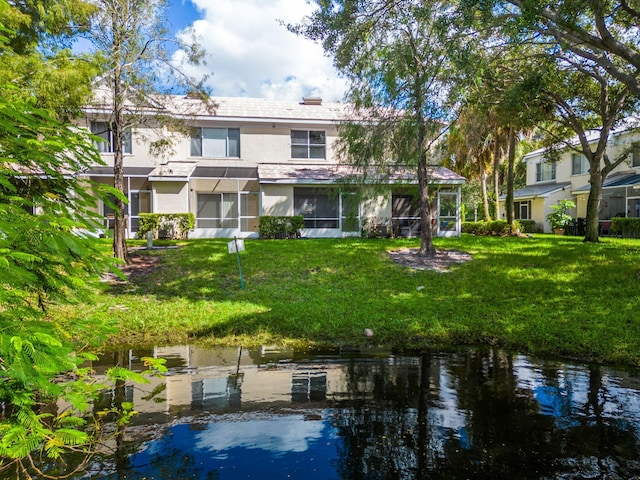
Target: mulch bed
(440, 262)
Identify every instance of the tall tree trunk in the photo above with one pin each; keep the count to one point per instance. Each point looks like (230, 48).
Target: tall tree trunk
(486, 215)
(497, 156)
(592, 232)
(510, 163)
(426, 235)
(118, 129)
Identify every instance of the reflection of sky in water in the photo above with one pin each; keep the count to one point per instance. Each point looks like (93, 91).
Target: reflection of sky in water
(274, 447)
(342, 418)
(276, 435)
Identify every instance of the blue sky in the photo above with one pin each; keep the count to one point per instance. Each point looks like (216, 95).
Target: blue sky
(182, 13)
(250, 53)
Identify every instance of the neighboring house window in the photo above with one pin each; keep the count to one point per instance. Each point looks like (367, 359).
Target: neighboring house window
(318, 207)
(579, 164)
(217, 210)
(308, 144)
(105, 132)
(522, 210)
(635, 155)
(545, 171)
(215, 142)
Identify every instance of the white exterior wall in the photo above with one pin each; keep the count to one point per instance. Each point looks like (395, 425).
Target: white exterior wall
(170, 197)
(378, 206)
(265, 138)
(277, 200)
(617, 146)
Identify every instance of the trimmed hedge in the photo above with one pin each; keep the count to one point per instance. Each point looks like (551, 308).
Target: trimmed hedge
(626, 227)
(492, 228)
(173, 226)
(272, 227)
(528, 226)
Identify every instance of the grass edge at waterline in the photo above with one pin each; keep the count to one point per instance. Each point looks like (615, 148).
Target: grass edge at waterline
(546, 295)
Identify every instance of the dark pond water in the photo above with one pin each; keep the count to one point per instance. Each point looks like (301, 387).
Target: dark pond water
(472, 414)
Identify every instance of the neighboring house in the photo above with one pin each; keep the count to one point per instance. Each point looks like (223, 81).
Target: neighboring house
(254, 157)
(568, 178)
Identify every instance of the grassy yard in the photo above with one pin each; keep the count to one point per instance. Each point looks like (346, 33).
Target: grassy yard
(546, 295)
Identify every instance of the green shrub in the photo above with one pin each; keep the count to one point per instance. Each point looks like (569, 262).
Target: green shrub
(528, 226)
(272, 227)
(493, 228)
(166, 225)
(626, 227)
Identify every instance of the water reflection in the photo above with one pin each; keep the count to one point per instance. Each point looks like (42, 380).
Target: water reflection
(474, 414)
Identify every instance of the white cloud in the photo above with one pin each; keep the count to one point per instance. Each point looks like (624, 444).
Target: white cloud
(276, 435)
(250, 53)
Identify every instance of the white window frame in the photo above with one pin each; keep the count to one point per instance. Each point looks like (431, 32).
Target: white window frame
(309, 212)
(304, 145)
(133, 219)
(448, 225)
(521, 205)
(198, 142)
(233, 216)
(346, 218)
(245, 220)
(584, 164)
(545, 171)
(103, 130)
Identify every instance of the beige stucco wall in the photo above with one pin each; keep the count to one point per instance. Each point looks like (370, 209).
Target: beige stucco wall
(170, 197)
(377, 206)
(277, 200)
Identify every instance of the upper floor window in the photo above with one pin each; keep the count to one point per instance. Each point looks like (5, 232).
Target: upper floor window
(215, 142)
(635, 154)
(579, 164)
(105, 132)
(545, 171)
(308, 144)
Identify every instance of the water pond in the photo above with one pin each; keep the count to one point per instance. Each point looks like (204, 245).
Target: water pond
(468, 414)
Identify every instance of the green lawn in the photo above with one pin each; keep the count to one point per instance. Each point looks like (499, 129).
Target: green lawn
(545, 295)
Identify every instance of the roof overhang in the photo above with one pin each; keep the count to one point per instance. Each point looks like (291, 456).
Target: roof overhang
(544, 190)
(172, 172)
(228, 173)
(293, 174)
(618, 180)
(127, 172)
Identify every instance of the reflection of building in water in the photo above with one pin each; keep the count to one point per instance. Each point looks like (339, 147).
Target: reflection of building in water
(222, 379)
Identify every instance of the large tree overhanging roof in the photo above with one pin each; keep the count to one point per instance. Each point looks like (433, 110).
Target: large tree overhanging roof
(626, 126)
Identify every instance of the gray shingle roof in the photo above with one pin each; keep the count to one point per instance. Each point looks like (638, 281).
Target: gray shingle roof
(326, 174)
(613, 181)
(542, 190)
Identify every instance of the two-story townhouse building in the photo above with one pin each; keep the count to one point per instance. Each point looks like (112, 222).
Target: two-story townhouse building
(567, 178)
(250, 157)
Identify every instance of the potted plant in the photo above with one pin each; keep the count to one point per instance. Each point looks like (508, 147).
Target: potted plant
(559, 219)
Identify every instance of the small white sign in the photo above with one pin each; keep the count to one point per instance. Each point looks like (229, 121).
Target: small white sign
(232, 246)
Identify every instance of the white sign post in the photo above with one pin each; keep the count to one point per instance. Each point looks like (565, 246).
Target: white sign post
(236, 246)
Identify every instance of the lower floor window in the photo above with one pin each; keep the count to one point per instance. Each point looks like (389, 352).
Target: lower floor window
(217, 210)
(318, 207)
(522, 210)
